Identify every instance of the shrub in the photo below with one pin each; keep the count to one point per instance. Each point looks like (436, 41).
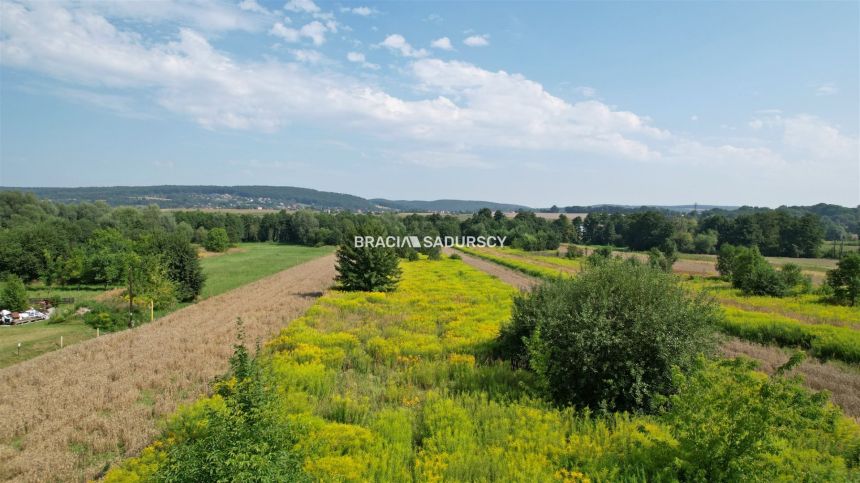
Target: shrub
(412, 256)
(371, 269)
(754, 275)
(663, 258)
(107, 316)
(609, 338)
(217, 240)
(574, 251)
(844, 280)
(455, 256)
(14, 294)
(794, 279)
(726, 260)
(735, 424)
(244, 436)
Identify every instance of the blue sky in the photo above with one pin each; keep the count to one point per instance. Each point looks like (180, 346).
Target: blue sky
(535, 103)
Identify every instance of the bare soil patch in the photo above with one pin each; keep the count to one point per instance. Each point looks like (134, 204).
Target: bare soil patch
(67, 413)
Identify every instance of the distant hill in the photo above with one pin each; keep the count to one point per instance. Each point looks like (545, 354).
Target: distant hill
(466, 206)
(205, 196)
(269, 197)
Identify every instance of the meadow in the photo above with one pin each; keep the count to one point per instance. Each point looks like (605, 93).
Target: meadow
(803, 321)
(401, 386)
(224, 272)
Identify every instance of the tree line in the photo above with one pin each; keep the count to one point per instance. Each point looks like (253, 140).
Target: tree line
(141, 249)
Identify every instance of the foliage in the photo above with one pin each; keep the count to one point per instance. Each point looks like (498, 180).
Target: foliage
(107, 316)
(367, 268)
(664, 257)
(399, 386)
(734, 424)
(844, 280)
(13, 295)
(217, 240)
(181, 263)
(609, 338)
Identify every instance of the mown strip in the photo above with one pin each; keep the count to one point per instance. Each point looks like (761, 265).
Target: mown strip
(822, 341)
(520, 266)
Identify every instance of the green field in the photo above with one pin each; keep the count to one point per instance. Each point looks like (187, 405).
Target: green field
(251, 262)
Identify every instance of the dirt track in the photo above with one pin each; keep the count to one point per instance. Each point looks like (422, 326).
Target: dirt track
(63, 415)
(512, 277)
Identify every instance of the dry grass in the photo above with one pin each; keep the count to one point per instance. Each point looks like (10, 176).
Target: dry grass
(67, 413)
(842, 381)
(203, 253)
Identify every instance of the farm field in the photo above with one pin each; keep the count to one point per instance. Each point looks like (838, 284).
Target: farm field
(69, 413)
(400, 387)
(244, 264)
(825, 331)
(252, 261)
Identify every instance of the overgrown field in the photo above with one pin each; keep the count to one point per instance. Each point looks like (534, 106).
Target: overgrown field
(804, 321)
(400, 387)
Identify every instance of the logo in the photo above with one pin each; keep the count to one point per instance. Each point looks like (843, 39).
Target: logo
(428, 241)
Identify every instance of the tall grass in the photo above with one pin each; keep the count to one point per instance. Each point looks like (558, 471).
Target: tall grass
(823, 341)
(399, 387)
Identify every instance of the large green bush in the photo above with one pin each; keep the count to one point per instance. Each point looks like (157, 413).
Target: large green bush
(844, 280)
(217, 240)
(609, 338)
(13, 296)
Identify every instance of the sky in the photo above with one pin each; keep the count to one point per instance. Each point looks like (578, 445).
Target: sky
(567, 103)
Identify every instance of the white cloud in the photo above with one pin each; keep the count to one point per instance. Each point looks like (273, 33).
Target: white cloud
(456, 108)
(287, 33)
(303, 6)
(308, 55)
(252, 6)
(443, 43)
(359, 58)
(315, 31)
(827, 89)
(477, 40)
(397, 43)
(694, 118)
(361, 11)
